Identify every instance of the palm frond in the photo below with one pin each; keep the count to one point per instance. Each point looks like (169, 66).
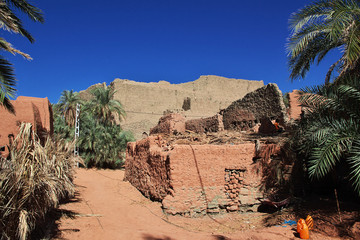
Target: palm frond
(7, 84)
(33, 12)
(10, 22)
(8, 47)
(33, 182)
(330, 139)
(354, 162)
(320, 27)
(309, 14)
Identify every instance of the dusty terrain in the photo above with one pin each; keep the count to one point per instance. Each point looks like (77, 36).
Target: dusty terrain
(106, 207)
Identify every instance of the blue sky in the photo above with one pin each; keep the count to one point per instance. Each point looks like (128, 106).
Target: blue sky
(84, 42)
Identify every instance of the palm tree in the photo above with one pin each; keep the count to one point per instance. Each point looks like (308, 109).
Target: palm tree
(61, 129)
(320, 27)
(329, 134)
(102, 145)
(103, 106)
(10, 22)
(67, 105)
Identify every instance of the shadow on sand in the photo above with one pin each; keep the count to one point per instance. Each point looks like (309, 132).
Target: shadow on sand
(150, 237)
(49, 227)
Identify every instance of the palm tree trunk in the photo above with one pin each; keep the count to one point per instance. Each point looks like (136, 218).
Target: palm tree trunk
(338, 204)
(335, 193)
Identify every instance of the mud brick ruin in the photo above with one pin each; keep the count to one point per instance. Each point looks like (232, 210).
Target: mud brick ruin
(36, 111)
(145, 103)
(265, 102)
(211, 165)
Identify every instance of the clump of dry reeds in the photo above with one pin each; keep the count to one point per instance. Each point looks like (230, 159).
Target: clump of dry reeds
(32, 181)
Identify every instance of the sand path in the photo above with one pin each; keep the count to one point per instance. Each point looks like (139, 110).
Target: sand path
(106, 207)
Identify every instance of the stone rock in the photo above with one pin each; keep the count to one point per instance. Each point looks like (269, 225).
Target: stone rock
(355, 230)
(232, 208)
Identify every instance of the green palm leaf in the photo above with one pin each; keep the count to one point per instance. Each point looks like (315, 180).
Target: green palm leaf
(104, 107)
(10, 22)
(7, 84)
(319, 28)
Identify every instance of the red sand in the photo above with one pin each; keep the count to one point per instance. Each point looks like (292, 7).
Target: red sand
(108, 208)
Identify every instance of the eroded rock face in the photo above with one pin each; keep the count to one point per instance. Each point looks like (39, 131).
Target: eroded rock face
(145, 102)
(36, 111)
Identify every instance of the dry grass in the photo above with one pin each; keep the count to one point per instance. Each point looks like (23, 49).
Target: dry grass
(32, 182)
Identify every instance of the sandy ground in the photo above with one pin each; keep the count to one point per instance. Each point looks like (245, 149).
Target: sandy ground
(106, 207)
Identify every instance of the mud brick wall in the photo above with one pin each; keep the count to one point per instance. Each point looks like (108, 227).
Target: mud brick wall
(211, 178)
(295, 108)
(194, 179)
(36, 111)
(203, 125)
(263, 102)
(169, 124)
(147, 167)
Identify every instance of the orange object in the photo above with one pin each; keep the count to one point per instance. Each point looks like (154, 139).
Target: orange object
(302, 229)
(310, 222)
(299, 223)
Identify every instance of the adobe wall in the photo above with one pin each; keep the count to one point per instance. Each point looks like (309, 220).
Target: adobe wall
(144, 103)
(203, 125)
(36, 111)
(194, 179)
(295, 108)
(169, 124)
(263, 102)
(212, 178)
(147, 167)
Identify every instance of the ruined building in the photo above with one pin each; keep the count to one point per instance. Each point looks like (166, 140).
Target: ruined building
(145, 103)
(214, 164)
(36, 111)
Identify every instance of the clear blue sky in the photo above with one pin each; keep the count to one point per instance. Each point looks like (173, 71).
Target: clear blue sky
(84, 42)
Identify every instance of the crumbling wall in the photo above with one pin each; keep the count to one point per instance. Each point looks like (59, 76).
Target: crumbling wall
(212, 178)
(147, 167)
(295, 107)
(194, 179)
(36, 111)
(169, 124)
(204, 125)
(267, 127)
(263, 102)
(204, 97)
(192, 176)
